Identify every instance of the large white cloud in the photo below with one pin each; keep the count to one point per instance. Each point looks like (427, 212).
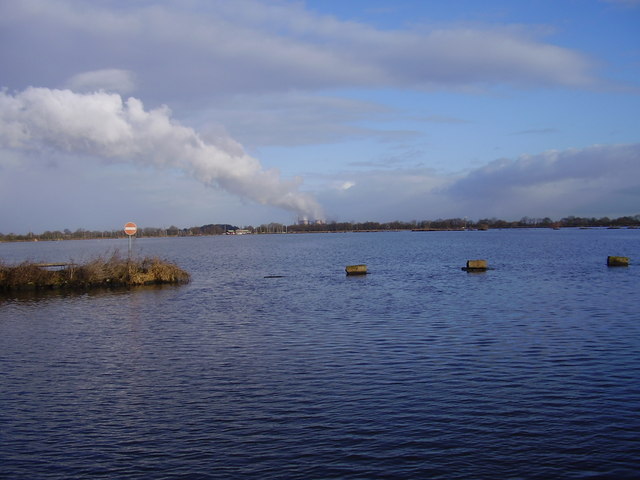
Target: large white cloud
(220, 47)
(106, 126)
(254, 65)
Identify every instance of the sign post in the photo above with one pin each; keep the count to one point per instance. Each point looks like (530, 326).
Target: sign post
(130, 229)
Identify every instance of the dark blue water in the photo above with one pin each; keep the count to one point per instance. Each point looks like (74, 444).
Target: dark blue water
(417, 370)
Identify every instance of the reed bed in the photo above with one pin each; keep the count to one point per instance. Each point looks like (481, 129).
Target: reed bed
(111, 272)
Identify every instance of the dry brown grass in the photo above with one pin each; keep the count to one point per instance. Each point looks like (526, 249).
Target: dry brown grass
(113, 271)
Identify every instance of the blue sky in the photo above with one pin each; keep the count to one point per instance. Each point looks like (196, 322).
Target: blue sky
(253, 111)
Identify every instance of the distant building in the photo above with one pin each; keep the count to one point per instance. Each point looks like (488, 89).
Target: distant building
(306, 221)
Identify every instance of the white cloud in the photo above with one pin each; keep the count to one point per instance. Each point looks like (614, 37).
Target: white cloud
(346, 185)
(110, 79)
(222, 47)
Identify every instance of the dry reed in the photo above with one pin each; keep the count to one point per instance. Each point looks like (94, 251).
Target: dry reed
(113, 271)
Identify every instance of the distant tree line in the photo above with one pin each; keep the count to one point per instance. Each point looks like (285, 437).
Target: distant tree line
(80, 234)
(465, 224)
(439, 224)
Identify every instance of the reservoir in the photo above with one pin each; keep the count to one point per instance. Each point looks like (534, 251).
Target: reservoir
(272, 363)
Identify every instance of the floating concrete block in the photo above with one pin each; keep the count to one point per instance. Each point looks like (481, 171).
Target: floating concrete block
(356, 269)
(618, 261)
(475, 266)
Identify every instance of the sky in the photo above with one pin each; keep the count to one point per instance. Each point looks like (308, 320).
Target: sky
(247, 112)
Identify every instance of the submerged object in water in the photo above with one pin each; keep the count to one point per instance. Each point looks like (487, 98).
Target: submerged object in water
(475, 266)
(617, 261)
(356, 269)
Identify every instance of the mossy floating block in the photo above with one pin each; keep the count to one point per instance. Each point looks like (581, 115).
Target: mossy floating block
(475, 266)
(356, 269)
(618, 261)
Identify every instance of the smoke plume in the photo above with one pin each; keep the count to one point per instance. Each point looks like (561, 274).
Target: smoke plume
(105, 125)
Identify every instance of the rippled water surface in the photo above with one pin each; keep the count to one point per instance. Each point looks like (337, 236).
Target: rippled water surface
(417, 370)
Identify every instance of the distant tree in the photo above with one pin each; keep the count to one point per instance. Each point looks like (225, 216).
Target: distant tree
(624, 221)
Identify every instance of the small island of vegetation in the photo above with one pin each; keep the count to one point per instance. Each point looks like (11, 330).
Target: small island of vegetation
(112, 272)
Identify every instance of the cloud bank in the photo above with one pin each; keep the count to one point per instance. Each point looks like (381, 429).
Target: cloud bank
(107, 126)
(217, 47)
(584, 179)
(597, 180)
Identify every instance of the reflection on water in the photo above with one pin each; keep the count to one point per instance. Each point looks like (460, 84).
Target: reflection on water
(44, 295)
(417, 370)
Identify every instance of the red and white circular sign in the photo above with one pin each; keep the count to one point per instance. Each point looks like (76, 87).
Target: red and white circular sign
(130, 228)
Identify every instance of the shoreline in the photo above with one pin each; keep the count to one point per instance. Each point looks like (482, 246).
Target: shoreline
(298, 232)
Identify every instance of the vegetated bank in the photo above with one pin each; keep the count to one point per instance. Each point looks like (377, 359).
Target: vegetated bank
(440, 224)
(101, 272)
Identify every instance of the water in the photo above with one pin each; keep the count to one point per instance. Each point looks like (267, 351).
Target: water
(417, 370)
